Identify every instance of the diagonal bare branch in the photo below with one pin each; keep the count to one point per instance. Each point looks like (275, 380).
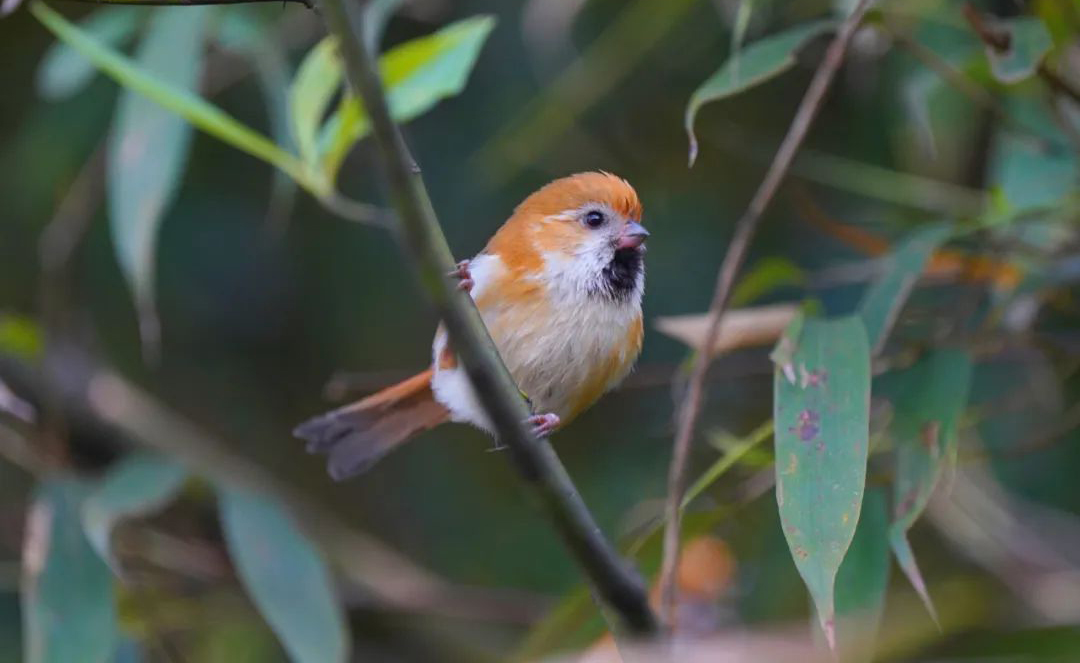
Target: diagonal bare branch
(745, 229)
(615, 583)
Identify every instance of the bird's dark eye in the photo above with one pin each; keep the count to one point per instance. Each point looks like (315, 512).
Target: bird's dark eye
(595, 219)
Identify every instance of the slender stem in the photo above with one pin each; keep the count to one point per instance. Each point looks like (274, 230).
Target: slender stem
(615, 583)
(736, 254)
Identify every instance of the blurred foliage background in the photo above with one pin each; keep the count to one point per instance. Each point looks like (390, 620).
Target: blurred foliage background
(271, 307)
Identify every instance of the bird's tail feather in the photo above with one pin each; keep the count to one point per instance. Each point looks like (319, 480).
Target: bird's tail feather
(354, 437)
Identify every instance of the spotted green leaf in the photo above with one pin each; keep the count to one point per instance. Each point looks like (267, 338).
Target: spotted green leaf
(928, 399)
(885, 297)
(68, 603)
(822, 421)
(287, 578)
(754, 64)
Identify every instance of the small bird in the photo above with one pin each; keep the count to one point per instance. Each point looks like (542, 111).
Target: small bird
(559, 287)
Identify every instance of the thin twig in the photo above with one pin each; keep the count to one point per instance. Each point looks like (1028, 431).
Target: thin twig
(1058, 83)
(736, 254)
(616, 584)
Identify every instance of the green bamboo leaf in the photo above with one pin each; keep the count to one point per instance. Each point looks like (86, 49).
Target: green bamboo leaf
(418, 74)
(287, 578)
(738, 31)
(1033, 176)
(822, 423)
(65, 71)
(191, 107)
(147, 153)
(765, 276)
(1029, 42)
(863, 579)
(928, 399)
(315, 84)
(68, 603)
(763, 60)
(139, 484)
(736, 451)
(885, 297)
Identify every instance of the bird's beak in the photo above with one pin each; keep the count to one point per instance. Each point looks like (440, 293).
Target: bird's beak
(633, 236)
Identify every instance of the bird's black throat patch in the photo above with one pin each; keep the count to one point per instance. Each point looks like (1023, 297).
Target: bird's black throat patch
(619, 277)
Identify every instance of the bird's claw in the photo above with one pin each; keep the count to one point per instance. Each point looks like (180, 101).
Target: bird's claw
(544, 424)
(463, 275)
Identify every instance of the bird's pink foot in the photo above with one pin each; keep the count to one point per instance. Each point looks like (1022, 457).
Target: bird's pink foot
(463, 275)
(544, 424)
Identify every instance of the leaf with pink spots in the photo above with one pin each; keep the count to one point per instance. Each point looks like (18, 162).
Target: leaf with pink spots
(822, 419)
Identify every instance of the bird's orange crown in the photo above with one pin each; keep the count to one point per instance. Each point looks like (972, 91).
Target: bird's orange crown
(576, 190)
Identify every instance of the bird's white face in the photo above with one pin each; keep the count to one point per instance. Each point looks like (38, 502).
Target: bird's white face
(602, 255)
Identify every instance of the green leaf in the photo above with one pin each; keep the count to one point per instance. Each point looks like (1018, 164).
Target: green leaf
(763, 60)
(738, 31)
(765, 276)
(1033, 176)
(191, 107)
(734, 454)
(287, 578)
(69, 610)
(417, 74)
(822, 430)
(928, 399)
(315, 84)
(147, 152)
(139, 484)
(884, 298)
(863, 579)
(1029, 43)
(20, 336)
(64, 71)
